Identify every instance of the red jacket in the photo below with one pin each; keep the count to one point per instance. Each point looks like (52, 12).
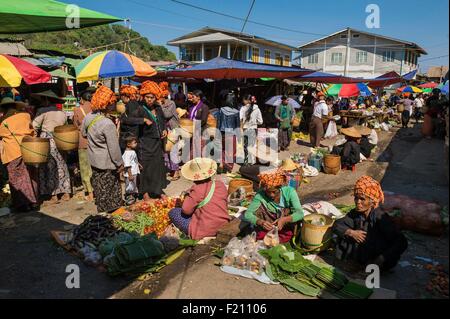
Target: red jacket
(206, 221)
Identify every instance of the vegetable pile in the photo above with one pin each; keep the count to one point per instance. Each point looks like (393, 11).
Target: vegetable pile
(133, 223)
(158, 212)
(296, 273)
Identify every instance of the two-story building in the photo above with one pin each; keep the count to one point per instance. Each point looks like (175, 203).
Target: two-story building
(360, 54)
(208, 43)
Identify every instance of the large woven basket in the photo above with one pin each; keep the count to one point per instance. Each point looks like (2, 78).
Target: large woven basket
(35, 150)
(187, 125)
(66, 137)
(237, 183)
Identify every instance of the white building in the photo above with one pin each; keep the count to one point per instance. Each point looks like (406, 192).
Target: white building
(360, 54)
(208, 43)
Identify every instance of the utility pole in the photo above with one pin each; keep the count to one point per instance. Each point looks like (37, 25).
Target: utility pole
(347, 53)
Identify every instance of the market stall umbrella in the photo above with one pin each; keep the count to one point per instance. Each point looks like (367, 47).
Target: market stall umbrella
(409, 89)
(13, 70)
(111, 64)
(276, 100)
(348, 90)
(29, 16)
(221, 68)
(429, 85)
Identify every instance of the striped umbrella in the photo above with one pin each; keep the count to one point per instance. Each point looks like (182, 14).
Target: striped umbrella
(13, 70)
(429, 85)
(409, 89)
(111, 64)
(348, 90)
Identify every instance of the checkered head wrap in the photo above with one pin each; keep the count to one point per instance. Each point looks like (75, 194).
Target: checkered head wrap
(368, 187)
(272, 180)
(129, 91)
(150, 87)
(102, 98)
(164, 86)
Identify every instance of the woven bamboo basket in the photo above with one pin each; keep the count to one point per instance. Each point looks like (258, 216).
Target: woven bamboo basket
(315, 236)
(332, 164)
(187, 127)
(237, 183)
(66, 137)
(35, 150)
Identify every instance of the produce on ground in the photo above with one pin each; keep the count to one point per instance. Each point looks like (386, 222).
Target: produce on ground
(133, 223)
(158, 211)
(439, 283)
(92, 232)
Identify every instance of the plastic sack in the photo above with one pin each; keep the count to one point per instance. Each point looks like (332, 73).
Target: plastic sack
(272, 239)
(256, 264)
(309, 171)
(322, 208)
(331, 130)
(413, 214)
(384, 127)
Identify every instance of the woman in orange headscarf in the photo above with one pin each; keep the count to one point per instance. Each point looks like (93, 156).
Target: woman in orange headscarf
(275, 205)
(366, 234)
(153, 178)
(104, 151)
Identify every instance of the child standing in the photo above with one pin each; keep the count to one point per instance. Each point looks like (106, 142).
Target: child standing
(132, 169)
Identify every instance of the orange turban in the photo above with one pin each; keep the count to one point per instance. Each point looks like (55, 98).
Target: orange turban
(272, 180)
(164, 86)
(128, 90)
(102, 98)
(150, 87)
(368, 187)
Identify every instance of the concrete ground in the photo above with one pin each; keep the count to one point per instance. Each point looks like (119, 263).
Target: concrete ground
(33, 266)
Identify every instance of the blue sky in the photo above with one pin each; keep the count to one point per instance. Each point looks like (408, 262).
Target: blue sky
(411, 20)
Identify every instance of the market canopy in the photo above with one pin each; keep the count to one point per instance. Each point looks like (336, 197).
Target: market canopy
(27, 16)
(13, 70)
(58, 73)
(322, 77)
(221, 68)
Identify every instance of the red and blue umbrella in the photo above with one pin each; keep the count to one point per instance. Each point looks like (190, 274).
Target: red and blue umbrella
(409, 89)
(348, 90)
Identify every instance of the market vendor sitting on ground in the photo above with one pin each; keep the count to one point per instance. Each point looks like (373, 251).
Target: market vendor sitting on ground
(367, 235)
(204, 209)
(351, 150)
(275, 205)
(365, 144)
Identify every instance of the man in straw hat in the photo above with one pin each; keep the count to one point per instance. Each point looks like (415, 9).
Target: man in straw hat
(204, 209)
(275, 205)
(366, 234)
(14, 126)
(350, 151)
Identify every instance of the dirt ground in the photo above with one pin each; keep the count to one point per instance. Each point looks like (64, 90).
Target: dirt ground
(33, 266)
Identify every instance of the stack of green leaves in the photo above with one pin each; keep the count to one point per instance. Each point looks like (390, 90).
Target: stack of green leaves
(292, 270)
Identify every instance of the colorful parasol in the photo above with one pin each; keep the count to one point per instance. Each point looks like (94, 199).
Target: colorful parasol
(429, 85)
(409, 89)
(111, 64)
(13, 70)
(348, 90)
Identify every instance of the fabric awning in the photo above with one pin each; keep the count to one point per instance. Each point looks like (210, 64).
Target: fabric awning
(58, 73)
(27, 16)
(221, 68)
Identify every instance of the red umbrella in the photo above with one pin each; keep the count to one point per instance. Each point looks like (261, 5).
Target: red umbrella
(13, 70)
(430, 85)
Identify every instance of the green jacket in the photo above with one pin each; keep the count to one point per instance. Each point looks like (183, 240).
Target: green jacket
(288, 199)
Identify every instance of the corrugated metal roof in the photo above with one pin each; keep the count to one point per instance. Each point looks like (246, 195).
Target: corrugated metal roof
(14, 49)
(213, 37)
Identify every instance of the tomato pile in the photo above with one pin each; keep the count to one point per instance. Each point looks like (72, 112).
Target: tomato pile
(439, 283)
(159, 212)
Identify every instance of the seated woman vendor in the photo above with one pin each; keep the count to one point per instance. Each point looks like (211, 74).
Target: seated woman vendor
(275, 205)
(366, 234)
(350, 151)
(364, 144)
(204, 209)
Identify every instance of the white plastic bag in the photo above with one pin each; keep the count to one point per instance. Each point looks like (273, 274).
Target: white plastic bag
(322, 208)
(331, 130)
(384, 127)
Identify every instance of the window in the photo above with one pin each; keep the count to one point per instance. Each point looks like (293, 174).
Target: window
(343, 36)
(313, 58)
(267, 59)
(287, 60)
(278, 59)
(361, 57)
(388, 56)
(336, 58)
(192, 54)
(255, 55)
(356, 35)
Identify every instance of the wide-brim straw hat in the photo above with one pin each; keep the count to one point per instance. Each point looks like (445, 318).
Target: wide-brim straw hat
(9, 101)
(289, 165)
(363, 130)
(181, 112)
(351, 132)
(199, 169)
(263, 152)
